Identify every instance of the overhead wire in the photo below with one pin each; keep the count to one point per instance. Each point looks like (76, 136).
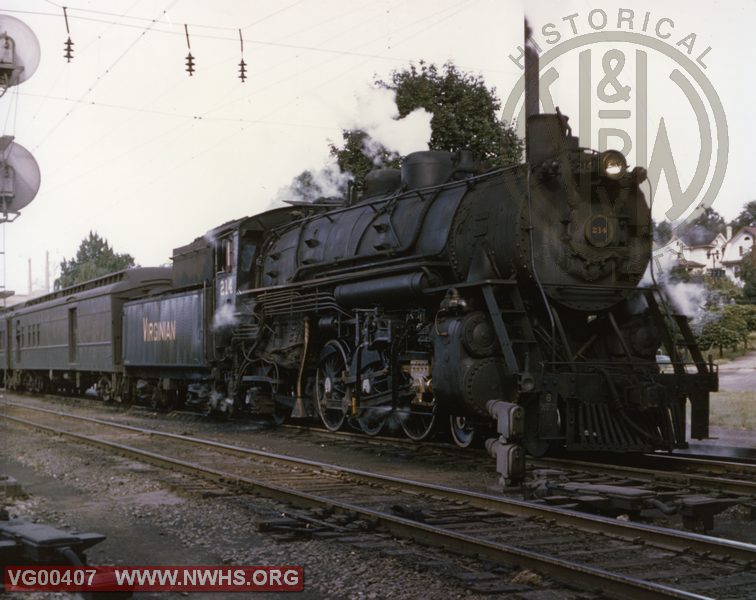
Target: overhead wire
(230, 38)
(193, 25)
(81, 51)
(101, 76)
(64, 166)
(460, 6)
(205, 115)
(427, 21)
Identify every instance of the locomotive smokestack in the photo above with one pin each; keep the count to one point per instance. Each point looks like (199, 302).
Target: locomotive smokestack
(532, 101)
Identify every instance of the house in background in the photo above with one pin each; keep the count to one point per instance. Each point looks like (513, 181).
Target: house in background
(699, 251)
(737, 247)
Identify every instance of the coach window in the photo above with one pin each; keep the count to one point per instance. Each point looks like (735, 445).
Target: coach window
(72, 335)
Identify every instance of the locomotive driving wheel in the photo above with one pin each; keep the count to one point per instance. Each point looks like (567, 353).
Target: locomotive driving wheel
(330, 388)
(281, 411)
(419, 420)
(375, 388)
(420, 415)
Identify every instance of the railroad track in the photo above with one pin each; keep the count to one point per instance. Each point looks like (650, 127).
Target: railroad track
(680, 491)
(593, 553)
(704, 473)
(699, 460)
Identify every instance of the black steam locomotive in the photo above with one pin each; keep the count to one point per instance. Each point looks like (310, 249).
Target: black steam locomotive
(440, 295)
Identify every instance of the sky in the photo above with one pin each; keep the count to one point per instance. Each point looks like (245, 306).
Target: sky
(132, 147)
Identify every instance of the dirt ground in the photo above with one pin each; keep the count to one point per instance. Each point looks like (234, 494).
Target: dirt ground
(154, 517)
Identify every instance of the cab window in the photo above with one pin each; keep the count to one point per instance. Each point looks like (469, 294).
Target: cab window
(225, 255)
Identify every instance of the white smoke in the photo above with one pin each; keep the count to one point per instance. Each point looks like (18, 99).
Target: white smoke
(309, 186)
(687, 298)
(378, 116)
(224, 316)
(375, 113)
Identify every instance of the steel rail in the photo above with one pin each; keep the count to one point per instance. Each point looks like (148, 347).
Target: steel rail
(707, 463)
(659, 536)
(572, 574)
(729, 485)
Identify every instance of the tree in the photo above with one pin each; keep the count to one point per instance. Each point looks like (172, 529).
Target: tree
(746, 312)
(662, 232)
(312, 186)
(721, 291)
(709, 220)
(728, 326)
(352, 157)
(746, 217)
(720, 334)
(465, 116)
(748, 275)
(94, 258)
(465, 112)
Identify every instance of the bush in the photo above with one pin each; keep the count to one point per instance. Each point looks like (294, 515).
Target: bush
(745, 312)
(721, 291)
(718, 333)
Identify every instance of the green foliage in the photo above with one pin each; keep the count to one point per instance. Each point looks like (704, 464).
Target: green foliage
(679, 274)
(303, 184)
(662, 232)
(465, 112)
(729, 327)
(465, 116)
(313, 186)
(741, 312)
(720, 334)
(710, 220)
(746, 217)
(351, 157)
(721, 291)
(94, 258)
(748, 275)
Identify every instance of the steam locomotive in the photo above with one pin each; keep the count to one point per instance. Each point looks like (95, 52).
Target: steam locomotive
(442, 295)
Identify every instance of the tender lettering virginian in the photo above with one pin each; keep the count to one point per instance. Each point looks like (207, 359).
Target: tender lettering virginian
(158, 331)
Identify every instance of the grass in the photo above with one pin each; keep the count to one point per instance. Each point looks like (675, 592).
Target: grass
(733, 410)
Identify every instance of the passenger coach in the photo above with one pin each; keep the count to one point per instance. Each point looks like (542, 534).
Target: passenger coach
(70, 340)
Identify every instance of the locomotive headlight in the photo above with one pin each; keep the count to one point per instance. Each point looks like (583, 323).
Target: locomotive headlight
(612, 164)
